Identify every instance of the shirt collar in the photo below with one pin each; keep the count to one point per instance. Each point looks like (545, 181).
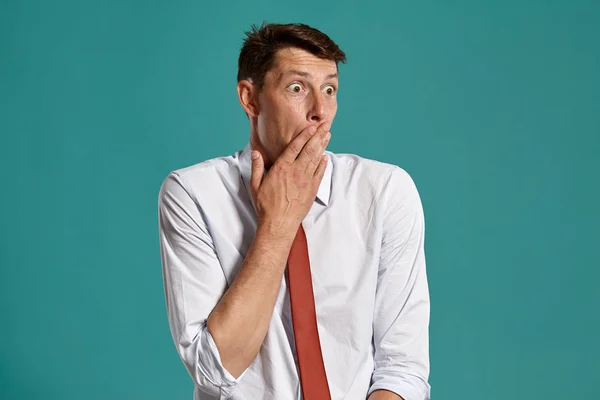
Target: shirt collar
(323, 193)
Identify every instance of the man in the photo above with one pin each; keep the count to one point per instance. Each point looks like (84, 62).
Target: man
(291, 272)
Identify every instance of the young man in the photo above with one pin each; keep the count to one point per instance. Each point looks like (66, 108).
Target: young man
(292, 272)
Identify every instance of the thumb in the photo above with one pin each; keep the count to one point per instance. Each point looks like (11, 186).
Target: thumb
(258, 170)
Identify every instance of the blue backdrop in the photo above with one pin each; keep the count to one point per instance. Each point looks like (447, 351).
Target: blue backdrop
(492, 106)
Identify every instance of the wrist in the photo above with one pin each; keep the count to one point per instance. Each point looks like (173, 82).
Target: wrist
(277, 231)
(274, 239)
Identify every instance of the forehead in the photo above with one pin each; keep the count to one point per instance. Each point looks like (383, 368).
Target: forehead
(294, 59)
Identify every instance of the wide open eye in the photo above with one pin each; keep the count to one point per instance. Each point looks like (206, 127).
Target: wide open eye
(330, 90)
(295, 87)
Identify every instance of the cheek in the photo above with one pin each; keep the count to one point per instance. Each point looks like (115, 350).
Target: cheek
(283, 108)
(290, 113)
(331, 108)
(294, 104)
(273, 125)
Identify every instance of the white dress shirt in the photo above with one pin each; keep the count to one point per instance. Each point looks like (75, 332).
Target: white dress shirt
(365, 234)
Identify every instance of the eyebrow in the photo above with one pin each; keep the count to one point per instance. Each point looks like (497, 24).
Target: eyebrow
(302, 73)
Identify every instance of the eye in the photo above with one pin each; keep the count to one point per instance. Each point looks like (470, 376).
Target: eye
(295, 88)
(330, 90)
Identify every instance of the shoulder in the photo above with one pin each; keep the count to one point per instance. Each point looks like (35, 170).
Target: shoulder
(370, 174)
(201, 177)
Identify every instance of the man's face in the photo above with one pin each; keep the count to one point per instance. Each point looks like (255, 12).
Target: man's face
(299, 91)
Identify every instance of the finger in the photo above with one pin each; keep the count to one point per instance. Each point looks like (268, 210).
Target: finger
(297, 144)
(313, 150)
(257, 173)
(320, 171)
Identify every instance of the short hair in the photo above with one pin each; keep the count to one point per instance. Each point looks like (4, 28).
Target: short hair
(257, 55)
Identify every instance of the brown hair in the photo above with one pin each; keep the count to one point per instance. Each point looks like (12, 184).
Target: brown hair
(257, 55)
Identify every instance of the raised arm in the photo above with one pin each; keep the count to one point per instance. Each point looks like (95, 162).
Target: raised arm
(219, 330)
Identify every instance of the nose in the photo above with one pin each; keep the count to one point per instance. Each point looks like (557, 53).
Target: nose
(316, 111)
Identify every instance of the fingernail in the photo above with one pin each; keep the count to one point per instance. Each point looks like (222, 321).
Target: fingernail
(254, 155)
(312, 130)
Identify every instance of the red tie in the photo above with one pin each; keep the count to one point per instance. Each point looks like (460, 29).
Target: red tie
(304, 319)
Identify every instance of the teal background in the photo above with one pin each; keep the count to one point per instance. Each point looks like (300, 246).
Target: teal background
(492, 107)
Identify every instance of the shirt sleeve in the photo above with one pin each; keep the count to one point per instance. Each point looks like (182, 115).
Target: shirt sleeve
(401, 321)
(193, 282)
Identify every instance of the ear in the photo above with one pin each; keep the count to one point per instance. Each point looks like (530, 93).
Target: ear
(248, 96)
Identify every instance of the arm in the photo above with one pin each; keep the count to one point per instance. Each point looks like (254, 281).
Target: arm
(384, 395)
(218, 330)
(401, 323)
(281, 199)
(193, 284)
(217, 336)
(240, 320)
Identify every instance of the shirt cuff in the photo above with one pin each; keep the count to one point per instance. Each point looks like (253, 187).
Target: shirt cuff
(408, 386)
(212, 368)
